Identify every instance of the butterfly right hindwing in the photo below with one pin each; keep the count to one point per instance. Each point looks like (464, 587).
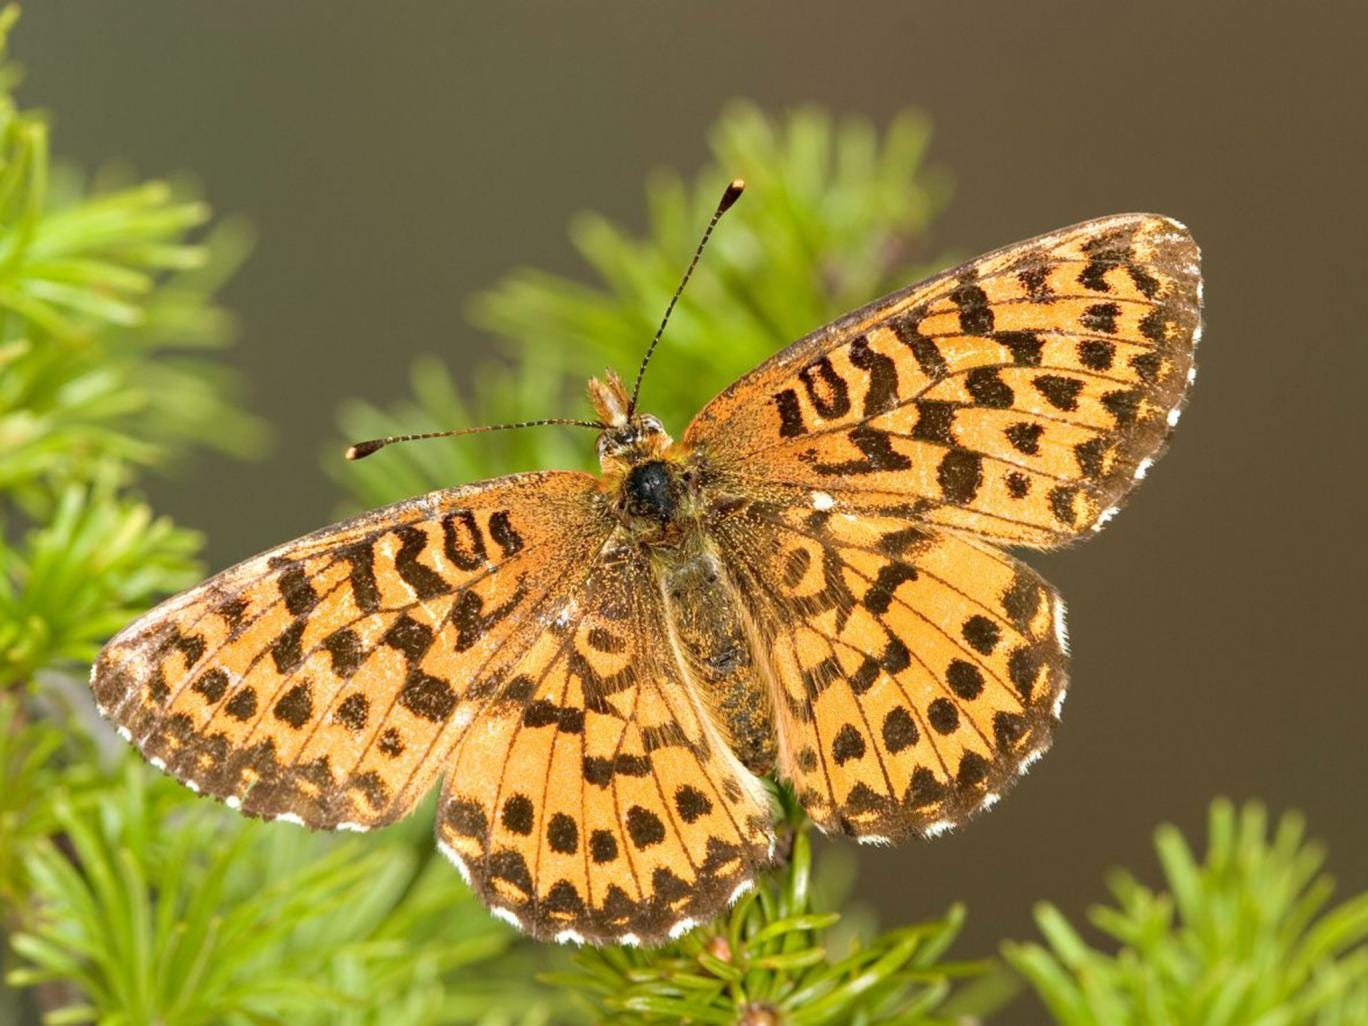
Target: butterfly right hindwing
(919, 672)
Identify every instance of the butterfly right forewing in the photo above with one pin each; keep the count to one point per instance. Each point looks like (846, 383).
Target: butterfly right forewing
(1019, 397)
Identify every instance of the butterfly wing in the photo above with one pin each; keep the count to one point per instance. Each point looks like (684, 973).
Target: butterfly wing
(918, 672)
(861, 479)
(595, 801)
(324, 681)
(1019, 397)
(487, 630)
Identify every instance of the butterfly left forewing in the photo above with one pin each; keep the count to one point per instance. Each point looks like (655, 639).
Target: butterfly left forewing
(321, 681)
(1019, 397)
(918, 672)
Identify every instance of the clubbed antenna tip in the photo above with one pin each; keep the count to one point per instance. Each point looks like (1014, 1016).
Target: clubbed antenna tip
(361, 450)
(729, 196)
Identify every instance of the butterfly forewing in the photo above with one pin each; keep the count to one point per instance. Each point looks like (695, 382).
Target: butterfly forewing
(322, 681)
(1018, 397)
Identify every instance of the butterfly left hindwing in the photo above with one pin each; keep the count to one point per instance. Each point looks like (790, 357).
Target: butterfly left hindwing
(595, 800)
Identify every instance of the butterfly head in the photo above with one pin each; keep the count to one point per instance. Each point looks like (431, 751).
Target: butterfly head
(629, 438)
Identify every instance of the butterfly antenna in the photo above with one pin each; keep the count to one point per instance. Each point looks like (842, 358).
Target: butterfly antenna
(361, 450)
(729, 196)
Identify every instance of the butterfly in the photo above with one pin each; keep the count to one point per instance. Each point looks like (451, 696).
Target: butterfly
(810, 584)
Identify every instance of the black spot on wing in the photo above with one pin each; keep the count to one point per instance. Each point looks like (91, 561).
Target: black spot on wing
(518, 814)
(975, 315)
(425, 582)
(296, 590)
(943, 716)
(924, 351)
(353, 712)
(899, 730)
(960, 474)
(848, 745)
(644, 827)
(1059, 391)
(562, 834)
(882, 394)
(295, 707)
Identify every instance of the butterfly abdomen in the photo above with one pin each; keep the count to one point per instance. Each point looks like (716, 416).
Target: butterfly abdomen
(705, 618)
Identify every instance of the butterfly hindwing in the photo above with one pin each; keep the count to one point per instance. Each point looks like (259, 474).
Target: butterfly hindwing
(322, 681)
(1019, 397)
(593, 799)
(919, 672)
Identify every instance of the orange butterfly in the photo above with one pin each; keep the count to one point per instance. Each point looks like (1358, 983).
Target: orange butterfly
(810, 583)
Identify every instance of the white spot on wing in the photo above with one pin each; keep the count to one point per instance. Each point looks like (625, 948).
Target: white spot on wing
(682, 927)
(629, 940)
(741, 889)
(937, 828)
(1192, 374)
(233, 802)
(157, 762)
(1142, 468)
(124, 733)
(569, 937)
(356, 828)
(1173, 416)
(822, 501)
(1061, 625)
(455, 860)
(989, 800)
(1030, 761)
(1105, 516)
(289, 817)
(1059, 704)
(192, 785)
(507, 916)
(873, 839)
(463, 716)
(567, 613)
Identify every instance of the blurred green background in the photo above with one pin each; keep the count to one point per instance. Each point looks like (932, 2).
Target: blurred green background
(396, 159)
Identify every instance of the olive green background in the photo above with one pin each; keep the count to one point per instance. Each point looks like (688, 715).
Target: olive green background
(396, 158)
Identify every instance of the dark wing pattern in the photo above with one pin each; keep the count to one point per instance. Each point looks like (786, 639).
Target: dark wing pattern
(918, 671)
(596, 801)
(488, 631)
(1019, 397)
(323, 682)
